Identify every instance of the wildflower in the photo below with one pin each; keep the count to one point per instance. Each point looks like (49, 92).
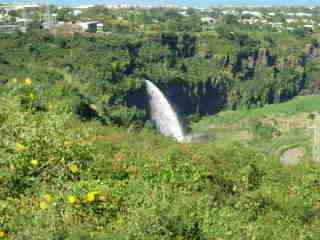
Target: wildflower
(74, 168)
(28, 81)
(93, 107)
(31, 96)
(72, 199)
(2, 234)
(119, 157)
(43, 205)
(120, 221)
(20, 147)
(234, 188)
(48, 198)
(34, 162)
(50, 107)
(90, 197)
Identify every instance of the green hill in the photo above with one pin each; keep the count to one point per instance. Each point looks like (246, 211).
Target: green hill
(68, 178)
(272, 129)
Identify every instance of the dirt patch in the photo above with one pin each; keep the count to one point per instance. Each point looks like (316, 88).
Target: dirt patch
(285, 124)
(292, 156)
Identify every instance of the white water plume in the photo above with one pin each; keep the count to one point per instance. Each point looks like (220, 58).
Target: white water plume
(163, 114)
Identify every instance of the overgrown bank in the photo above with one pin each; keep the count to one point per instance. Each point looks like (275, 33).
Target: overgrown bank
(200, 73)
(64, 178)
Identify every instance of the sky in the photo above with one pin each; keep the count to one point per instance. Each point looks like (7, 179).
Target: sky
(193, 3)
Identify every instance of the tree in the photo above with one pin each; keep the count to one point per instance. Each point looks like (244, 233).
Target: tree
(230, 19)
(188, 45)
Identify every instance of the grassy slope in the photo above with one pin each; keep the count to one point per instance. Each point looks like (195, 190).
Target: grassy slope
(144, 186)
(300, 104)
(291, 119)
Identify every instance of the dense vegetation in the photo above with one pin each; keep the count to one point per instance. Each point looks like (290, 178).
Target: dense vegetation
(201, 73)
(62, 178)
(79, 158)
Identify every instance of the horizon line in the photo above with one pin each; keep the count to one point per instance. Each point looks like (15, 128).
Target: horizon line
(240, 5)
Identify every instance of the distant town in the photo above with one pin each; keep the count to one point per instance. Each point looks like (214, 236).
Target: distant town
(104, 19)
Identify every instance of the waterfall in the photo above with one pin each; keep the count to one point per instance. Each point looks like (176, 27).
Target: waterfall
(163, 114)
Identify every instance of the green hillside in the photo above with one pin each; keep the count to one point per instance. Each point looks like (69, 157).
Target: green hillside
(80, 158)
(66, 178)
(272, 129)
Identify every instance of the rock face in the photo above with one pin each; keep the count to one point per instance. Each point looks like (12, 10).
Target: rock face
(292, 156)
(203, 98)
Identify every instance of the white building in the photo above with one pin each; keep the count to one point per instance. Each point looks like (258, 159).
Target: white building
(291, 20)
(277, 25)
(308, 27)
(76, 12)
(230, 12)
(249, 21)
(291, 14)
(208, 20)
(26, 7)
(183, 13)
(100, 27)
(252, 13)
(89, 26)
(301, 14)
(23, 20)
(85, 6)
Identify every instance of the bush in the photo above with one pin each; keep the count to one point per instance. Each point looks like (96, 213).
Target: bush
(263, 130)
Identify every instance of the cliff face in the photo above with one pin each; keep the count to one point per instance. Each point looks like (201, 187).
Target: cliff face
(258, 79)
(199, 73)
(202, 98)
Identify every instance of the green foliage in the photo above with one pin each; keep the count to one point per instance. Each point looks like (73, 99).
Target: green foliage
(250, 68)
(80, 159)
(91, 182)
(263, 130)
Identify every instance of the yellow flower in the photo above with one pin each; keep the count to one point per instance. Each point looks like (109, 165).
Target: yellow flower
(72, 199)
(20, 147)
(48, 198)
(28, 81)
(90, 197)
(93, 107)
(2, 234)
(31, 96)
(50, 107)
(43, 205)
(120, 221)
(34, 162)
(73, 168)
